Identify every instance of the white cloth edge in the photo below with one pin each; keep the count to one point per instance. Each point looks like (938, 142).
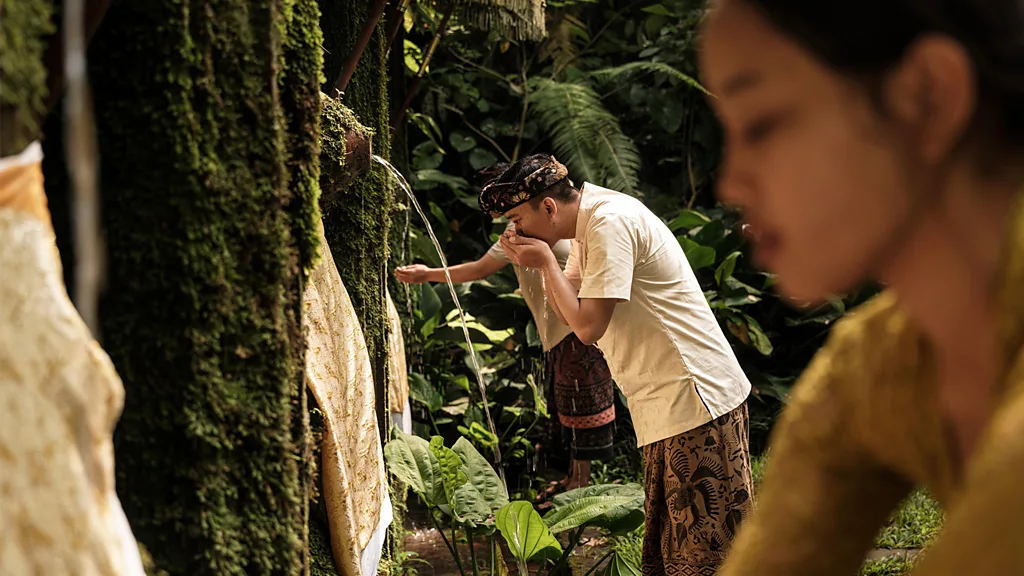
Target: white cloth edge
(32, 154)
(370, 558)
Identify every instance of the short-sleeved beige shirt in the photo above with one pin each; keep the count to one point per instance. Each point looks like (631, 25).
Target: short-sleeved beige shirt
(664, 346)
(549, 327)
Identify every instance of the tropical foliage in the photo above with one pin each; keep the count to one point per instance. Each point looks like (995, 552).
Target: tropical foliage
(463, 492)
(612, 92)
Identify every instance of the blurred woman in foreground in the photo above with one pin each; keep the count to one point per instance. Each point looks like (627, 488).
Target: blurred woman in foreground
(877, 140)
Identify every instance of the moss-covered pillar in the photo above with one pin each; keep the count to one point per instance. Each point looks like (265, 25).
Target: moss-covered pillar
(358, 221)
(24, 27)
(207, 114)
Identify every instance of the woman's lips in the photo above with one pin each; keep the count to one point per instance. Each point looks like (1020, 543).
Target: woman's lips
(766, 244)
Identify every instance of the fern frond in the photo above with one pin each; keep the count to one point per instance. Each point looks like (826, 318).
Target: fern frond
(633, 69)
(585, 134)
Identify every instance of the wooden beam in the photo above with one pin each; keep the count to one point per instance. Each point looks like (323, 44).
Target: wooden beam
(372, 18)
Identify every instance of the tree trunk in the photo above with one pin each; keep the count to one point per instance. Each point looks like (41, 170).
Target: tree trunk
(210, 228)
(24, 28)
(358, 222)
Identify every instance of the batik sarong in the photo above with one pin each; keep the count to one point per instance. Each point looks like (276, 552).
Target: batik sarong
(584, 397)
(697, 490)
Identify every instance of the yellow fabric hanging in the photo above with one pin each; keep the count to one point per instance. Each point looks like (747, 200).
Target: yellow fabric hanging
(60, 399)
(338, 373)
(398, 372)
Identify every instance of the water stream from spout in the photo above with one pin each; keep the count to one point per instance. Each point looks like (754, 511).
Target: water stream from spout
(455, 298)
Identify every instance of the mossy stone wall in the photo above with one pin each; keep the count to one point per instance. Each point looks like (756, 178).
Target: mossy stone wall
(357, 224)
(207, 114)
(24, 28)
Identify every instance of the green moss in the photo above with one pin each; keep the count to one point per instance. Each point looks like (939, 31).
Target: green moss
(300, 99)
(357, 225)
(302, 66)
(336, 120)
(24, 27)
(208, 228)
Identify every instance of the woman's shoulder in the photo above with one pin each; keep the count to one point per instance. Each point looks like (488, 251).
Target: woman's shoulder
(867, 353)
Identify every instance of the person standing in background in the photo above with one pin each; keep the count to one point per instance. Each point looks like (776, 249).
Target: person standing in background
(580, 381)
(629, 288)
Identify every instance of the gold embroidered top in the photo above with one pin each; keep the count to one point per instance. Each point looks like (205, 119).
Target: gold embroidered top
(60, 399)
(864, 425)
(338, 371)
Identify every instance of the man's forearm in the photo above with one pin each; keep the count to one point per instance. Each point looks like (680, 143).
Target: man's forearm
(460, 273)
(468, 271)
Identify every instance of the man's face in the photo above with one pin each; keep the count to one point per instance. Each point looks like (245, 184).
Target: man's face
(537, 220)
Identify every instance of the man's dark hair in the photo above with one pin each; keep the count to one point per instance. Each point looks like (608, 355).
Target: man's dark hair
(563, 193)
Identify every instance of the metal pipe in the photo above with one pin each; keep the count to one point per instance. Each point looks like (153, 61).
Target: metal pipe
(372, 18)
(395, 17)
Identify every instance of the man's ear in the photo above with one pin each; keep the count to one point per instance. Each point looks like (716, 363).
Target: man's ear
(550, 206)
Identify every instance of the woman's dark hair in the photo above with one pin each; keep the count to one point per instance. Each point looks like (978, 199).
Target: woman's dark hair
(865, 38)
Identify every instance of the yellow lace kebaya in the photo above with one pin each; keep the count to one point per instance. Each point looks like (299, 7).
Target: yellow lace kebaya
(864, 426)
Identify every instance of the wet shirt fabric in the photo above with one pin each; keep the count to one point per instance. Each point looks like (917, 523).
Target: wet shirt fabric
(664, 346)
(549, 327)
(864, 426)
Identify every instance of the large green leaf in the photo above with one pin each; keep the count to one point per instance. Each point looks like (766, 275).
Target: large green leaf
(698, 256)
(430, 304)
(481, 475)
(618, 508)
(452, 476)
(527, 536)
(726, 268)
(478, 500)
(688, 219)
(409, 458)
(422, 391)
(463, 499)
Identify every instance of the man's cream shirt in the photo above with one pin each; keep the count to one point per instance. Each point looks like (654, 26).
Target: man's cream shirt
(550, 329)
(664, 346)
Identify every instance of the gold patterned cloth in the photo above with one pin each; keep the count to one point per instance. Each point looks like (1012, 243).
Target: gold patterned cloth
(338, 373)
(864, 425)
(398, 371)
(60, 399)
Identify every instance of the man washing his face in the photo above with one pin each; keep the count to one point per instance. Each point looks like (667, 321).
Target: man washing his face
(628, 287)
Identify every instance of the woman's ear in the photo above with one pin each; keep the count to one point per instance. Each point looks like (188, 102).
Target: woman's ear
(932, 92)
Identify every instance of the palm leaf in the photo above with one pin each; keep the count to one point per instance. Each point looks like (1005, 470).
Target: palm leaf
(585, 134)
(633, 69)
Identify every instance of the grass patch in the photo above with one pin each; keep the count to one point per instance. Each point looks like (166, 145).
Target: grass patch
(891, 566)
(757, 467)
(630, 547)
(914, 525)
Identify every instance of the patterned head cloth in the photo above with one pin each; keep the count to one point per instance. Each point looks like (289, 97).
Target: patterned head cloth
(536, 174)
(487, 175)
